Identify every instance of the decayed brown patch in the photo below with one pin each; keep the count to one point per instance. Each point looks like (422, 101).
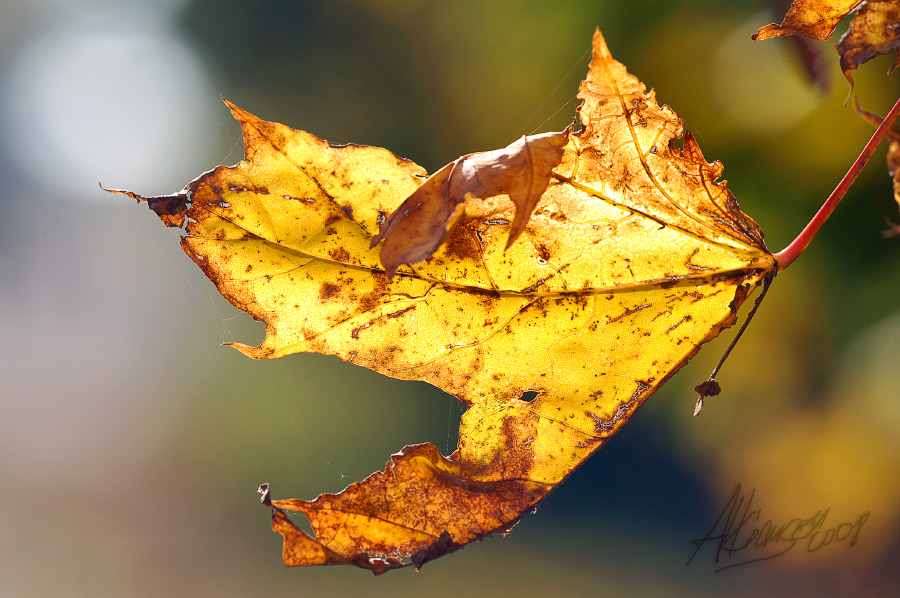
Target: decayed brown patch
(473, 509)
(328, 290)
(340, 255)
(462, 244)
(605, 425)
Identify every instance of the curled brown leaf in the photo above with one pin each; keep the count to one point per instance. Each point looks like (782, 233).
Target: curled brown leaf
(874, 31)
(522, 170)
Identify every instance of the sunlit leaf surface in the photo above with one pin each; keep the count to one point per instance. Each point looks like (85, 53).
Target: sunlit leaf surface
(634, 255)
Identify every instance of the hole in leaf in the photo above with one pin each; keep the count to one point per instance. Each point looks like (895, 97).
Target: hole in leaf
(528, 396)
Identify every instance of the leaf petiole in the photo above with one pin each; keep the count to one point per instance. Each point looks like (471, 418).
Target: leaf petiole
(710, 387)
(786, 256)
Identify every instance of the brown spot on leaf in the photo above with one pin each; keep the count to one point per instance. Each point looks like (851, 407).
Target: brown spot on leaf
(328, 290)
(246, 189)
(604, 425)
(340, 255)
(400, 312)
(462, 245)
(627, 312)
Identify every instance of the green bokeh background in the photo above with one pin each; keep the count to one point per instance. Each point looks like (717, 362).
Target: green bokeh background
(131, 443)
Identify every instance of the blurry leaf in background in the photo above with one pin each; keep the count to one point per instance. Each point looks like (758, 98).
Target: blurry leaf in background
(874, 31)
(815, 19)
(821, 452)
(757, 88)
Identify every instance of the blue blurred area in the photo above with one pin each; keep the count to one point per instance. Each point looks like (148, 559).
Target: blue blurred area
(131, 443)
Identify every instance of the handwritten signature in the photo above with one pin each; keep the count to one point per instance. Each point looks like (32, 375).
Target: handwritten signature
(740, 534)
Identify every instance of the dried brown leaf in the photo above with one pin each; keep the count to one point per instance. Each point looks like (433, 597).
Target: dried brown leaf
(874, 31)
(815, 19)
(415, 230)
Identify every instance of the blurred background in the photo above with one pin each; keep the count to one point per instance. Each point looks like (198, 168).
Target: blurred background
(132, 444)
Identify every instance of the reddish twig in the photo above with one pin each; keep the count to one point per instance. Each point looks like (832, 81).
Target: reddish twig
(787, 255)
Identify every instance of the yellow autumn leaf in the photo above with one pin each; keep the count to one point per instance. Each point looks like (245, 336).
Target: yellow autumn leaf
(634, 256)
